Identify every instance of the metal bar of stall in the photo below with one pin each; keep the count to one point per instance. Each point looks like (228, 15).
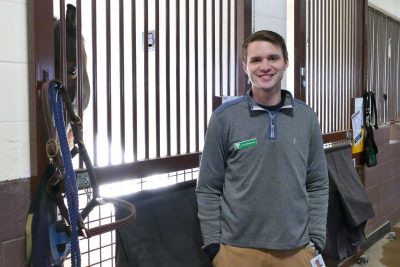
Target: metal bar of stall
(79, 64)
(79, 56)
(196, 73)
(329, 66)
(63, 50)
(205, 67)
(324, 73)
(331, 69)
(348, 87)
(157, 75)
(235, 37)
(122, 78)
(340, 61)
(177, 78)
(397, 82)
(345, 55)
(354, 69)
(381, 88)
(168, 75)
(108, 77)
(339, 65)
(354, 52)
(335, 81)
(146, 78)
(94, 82)
(187, 115)
(310, 61)
(343, 64)
(221, 33)
(228, 65)
(334, 66)
(356, 83)
(213, 47)
(317, 68)
(345, 43)
(134, 82)
(328, 99)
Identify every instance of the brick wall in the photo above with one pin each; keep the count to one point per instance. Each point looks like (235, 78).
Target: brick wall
(382, 182)
(14, 205)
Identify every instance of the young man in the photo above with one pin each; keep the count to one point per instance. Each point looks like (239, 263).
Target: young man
(262, 190)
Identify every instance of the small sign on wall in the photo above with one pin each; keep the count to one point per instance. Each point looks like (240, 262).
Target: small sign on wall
(151, 40)
(357, 123)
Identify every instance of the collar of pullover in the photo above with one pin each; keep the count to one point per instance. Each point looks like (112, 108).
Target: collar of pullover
(254, 106)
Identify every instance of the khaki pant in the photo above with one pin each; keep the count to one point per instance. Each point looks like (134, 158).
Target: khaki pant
(229, 256)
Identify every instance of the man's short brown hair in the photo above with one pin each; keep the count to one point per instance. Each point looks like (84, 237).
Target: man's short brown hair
(268, 36)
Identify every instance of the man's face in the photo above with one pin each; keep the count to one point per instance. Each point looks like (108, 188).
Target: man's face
(265, 65)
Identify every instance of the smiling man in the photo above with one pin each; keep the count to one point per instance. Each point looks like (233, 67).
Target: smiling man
(262, 191)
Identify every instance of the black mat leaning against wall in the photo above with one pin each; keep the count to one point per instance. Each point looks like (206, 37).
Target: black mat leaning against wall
(166, 232)
(349, 206)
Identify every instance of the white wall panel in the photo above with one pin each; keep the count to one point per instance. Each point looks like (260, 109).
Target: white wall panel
(15, 153)
(14, 32)
(14, 84)
(271, 8)
(389, 7)
(271, 15)
(16, 66)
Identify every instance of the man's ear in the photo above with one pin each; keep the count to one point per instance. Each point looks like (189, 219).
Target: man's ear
(244, 66)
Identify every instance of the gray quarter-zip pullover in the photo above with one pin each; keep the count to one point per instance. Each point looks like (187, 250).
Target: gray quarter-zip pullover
(263, 180)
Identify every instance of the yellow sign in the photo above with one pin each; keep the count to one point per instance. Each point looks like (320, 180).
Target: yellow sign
(358, 144)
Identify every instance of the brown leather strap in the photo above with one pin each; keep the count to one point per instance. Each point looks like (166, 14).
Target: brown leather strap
(117, 224)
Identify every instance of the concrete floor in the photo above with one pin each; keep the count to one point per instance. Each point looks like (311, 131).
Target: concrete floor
(374, 253)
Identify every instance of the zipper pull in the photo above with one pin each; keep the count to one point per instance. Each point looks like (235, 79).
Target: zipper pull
(272, 133)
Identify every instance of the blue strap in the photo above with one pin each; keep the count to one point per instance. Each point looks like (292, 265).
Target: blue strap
(71, 188)
(59, 238)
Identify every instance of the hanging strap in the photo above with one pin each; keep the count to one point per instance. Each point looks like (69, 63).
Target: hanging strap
(71, 188)
(370, 112)
(64, 177)
(373, 108)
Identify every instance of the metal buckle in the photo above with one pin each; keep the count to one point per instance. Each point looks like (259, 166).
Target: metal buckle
(52, 148)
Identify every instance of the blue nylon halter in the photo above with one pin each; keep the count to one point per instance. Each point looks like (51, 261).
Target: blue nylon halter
(71, 188)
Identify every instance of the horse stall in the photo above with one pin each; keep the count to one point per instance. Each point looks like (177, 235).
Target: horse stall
(142, 76)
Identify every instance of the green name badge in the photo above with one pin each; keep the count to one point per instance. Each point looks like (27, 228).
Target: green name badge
(245, 144)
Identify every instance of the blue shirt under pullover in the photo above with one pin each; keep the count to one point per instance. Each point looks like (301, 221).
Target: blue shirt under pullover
(263, 180)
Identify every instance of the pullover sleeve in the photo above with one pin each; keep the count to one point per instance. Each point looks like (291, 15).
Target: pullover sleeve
(210, 181)
(318, 188)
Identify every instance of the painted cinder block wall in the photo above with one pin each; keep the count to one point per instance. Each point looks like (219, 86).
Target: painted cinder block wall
(16, 77)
